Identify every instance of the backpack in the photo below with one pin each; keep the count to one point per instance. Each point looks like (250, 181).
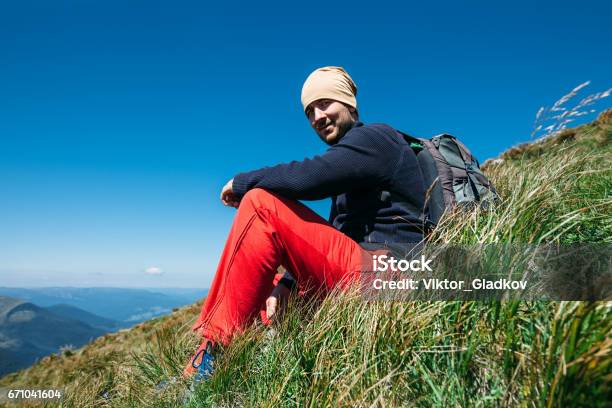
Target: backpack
(452, 176)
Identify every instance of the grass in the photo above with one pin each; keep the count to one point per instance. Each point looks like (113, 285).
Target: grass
(343, 351)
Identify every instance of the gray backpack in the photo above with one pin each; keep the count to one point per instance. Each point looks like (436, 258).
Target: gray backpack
(451, 174)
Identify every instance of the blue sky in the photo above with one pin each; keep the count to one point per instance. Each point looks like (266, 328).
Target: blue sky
(121, 121)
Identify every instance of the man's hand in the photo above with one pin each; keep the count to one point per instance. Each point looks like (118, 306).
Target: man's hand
(227, 195)
(278, 297)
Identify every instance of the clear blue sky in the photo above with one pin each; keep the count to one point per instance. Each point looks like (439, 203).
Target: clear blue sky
(121, 120)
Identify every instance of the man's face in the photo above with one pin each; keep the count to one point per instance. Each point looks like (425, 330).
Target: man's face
(330, 119)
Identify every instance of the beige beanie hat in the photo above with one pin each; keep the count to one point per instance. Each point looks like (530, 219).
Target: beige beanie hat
(329, 83)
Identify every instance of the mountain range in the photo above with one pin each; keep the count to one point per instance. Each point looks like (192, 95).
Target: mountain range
(124, 305)
(35, 322)
(28, 332)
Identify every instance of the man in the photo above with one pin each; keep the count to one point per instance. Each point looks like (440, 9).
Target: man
(377, 192)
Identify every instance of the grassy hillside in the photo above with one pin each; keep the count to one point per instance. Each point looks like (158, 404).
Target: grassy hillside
(347, 352)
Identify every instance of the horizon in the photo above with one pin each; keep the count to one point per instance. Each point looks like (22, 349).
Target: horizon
(120, 123)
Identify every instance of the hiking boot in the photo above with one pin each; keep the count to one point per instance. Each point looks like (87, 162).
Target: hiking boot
(201, 364)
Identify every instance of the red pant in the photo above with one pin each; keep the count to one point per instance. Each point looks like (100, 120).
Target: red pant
(270, 231)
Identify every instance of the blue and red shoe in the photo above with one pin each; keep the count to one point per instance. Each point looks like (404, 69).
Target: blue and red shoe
(201, 364)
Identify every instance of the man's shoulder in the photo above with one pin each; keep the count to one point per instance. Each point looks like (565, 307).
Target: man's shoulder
(382, 127)
(373, 130)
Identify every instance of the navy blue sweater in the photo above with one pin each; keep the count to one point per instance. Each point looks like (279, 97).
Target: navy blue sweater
(356, 172)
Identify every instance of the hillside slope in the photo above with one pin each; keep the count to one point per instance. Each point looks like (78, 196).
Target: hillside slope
(346, 352)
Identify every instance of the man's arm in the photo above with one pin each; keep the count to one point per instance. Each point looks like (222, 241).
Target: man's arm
(363, 158)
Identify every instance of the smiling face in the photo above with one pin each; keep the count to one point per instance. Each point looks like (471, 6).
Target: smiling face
(330, 119)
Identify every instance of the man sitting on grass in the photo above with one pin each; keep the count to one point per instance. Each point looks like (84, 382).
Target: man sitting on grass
(377, 192)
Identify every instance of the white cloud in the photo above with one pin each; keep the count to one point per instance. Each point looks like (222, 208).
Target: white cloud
(153, 270)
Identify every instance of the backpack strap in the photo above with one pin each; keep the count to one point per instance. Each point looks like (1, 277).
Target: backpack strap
(445, 174)
(465, 153)
(472, 167)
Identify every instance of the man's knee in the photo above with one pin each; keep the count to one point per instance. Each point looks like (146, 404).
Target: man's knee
(259, 197)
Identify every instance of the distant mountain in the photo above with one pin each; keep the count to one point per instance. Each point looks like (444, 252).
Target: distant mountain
(49, 318)
(124, 305)
(95, 321)
(28, 332)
